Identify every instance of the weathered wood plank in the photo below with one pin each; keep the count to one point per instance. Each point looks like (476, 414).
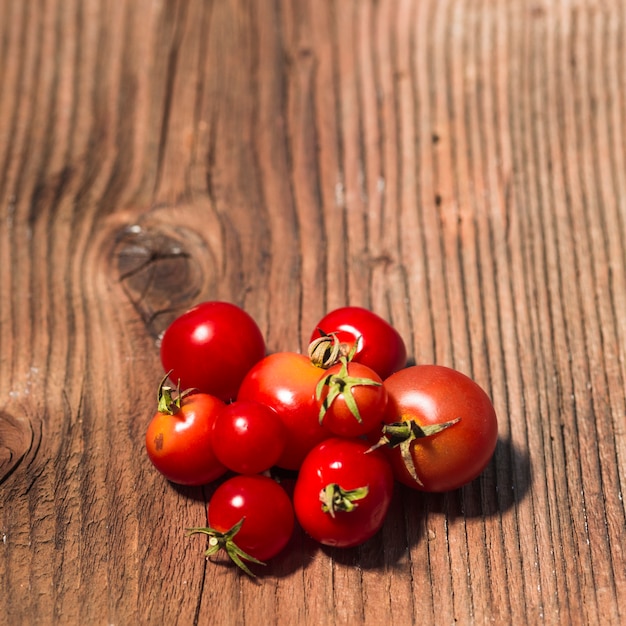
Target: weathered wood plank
(457, 166)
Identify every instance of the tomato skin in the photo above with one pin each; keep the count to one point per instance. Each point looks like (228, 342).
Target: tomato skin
(179, 445)
(211, 347)
(434, 394)
(286, 382)
(267, 511)
(371, 401)
(380, 345)
(248, 437)
(348, 463)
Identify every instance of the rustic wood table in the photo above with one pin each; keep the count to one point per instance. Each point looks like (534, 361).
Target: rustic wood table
(457, 166)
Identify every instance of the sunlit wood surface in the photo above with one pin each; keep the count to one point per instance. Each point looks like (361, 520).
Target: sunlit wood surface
(457, 166)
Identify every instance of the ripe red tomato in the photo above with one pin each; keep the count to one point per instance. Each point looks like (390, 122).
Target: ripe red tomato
(251, 518)
(211, 347)
(178, 438)
(352, 399)
(378, 344)
(286, 382)
(424, 397)
(343, 492)
(248, 437)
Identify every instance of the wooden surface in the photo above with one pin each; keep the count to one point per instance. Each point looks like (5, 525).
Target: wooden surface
(458, 166)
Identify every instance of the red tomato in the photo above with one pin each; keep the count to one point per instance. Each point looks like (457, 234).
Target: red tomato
(424, 397)
(343, 492)
(211, 347)
(248, 437)
(178, 438)
(251, 518)
(378, 344)
(286, 382)
(352, 399)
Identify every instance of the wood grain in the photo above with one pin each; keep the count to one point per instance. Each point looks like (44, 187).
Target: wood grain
(458, 166)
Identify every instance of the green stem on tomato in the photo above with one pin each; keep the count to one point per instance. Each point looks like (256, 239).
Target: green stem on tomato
(225, 541)
(338, 384)
(334, 498)
(167, 403)
(402, 435)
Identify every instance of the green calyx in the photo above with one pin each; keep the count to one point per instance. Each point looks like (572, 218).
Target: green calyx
(334, 498)
(167, 402)
(225, 541)
(338, 384)
(403, 434)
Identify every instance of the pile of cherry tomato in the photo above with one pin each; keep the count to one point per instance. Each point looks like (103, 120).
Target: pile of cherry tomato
(348, 420)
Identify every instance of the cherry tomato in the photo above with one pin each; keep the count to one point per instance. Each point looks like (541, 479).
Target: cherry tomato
(248, 437)
(378, 344)
(352, 399)
(211, 347)
(286, 382)
(343, 492)
(441, 425)
(251, 518)
(178, 438)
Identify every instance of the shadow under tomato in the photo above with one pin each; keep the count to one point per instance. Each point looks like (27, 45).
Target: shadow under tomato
(297, 556)
(504, 483)
(201, 493)
(301, 549)
(388, 547)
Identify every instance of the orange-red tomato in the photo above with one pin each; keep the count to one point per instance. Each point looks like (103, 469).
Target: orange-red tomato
(427, 396)
(178, 439)
(352, 399)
